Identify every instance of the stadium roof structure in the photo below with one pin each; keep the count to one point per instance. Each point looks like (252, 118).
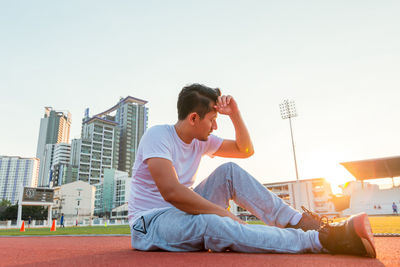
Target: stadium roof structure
(374, 168)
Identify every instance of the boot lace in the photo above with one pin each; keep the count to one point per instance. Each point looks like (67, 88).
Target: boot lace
(323, 220)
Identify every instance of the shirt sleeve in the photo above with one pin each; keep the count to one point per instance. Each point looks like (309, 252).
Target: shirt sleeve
(213, 143)
(156, 144)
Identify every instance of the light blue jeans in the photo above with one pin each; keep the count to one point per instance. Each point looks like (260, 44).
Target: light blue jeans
(174, 230)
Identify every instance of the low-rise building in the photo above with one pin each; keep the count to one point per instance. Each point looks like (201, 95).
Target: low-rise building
(120, 213)
(75, 200)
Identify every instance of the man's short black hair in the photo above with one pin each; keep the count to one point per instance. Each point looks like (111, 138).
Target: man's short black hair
(196, 98)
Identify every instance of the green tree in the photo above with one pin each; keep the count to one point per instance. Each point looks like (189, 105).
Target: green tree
(5, 203)
(10, 213)
(36, 213)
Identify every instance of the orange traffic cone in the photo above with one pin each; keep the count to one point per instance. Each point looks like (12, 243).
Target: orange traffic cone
(22, 227)
(53, 227)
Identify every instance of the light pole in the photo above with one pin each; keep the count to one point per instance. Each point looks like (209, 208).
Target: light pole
(288, 111)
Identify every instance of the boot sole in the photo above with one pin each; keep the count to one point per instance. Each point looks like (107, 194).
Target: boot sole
(363, 229)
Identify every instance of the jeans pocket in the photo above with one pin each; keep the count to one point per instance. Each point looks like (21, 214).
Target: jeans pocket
(140, 225)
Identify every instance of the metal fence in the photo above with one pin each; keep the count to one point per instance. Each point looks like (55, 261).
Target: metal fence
(85, 222)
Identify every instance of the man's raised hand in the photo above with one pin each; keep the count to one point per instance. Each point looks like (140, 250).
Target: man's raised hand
(226, 105)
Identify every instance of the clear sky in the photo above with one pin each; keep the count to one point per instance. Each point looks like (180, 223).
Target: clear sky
(339, 61)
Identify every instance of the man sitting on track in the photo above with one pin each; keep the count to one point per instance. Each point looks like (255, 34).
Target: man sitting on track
(166, 213)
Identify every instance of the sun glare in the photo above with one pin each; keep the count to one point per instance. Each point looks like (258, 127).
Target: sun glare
(330, 169)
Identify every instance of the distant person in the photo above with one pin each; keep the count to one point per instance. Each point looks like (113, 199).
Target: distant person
(379, 207)
(394, 207)
(374, 207)
(29, 221)
(62, 220)
(166, 213)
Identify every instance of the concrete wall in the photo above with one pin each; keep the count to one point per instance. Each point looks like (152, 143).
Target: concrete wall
(368, 198)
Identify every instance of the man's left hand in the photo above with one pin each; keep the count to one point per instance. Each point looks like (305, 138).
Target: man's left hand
(226, 105)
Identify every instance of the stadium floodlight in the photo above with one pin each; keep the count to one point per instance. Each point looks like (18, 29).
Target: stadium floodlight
(288, 111)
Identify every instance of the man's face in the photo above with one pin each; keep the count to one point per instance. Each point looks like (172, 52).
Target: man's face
(207, 125)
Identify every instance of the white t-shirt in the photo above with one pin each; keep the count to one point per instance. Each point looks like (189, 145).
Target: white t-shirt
(162, 141)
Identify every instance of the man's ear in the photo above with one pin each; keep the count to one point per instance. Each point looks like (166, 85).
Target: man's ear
(192, 118)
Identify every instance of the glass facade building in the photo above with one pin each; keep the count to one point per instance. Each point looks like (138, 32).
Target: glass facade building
(114, 191)
(16, 172)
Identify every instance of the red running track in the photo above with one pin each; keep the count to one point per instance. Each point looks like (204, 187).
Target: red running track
(116, 251)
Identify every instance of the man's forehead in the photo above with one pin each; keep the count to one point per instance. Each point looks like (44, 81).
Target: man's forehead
(213, 112)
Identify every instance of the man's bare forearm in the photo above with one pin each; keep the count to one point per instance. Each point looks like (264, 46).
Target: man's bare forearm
(243, 140)
(189, 201)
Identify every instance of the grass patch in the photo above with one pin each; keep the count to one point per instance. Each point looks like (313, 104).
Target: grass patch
(385, 224)
(79, 230)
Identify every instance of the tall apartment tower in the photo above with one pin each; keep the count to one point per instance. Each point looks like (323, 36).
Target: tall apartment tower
(130, 117)
(97, 149)
(54, 128)
(16, 172)
(132, 120)
(58, 160)
(109, 140)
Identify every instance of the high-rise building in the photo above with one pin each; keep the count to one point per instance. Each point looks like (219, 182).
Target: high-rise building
(109, 140)
(62, 153)
(16, 172)
(130, 116)
(119, 128)
(61, 171)
(132, 119)
(63, 174)
(45, 165)
(98, 149)
(54, 129)
(54, 155)
(75, 151)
